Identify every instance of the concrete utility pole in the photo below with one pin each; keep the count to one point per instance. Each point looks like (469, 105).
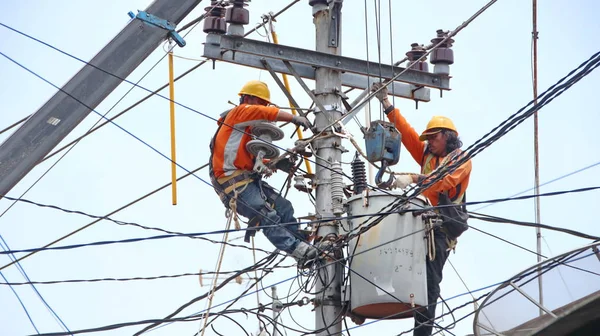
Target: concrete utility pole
(327, 89)
(88, 88)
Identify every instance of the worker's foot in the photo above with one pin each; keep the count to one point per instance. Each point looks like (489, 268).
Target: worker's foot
(305, 254)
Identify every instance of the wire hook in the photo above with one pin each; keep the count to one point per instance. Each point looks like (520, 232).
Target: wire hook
(388, 183)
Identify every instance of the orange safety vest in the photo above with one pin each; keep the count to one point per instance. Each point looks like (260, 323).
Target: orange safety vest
(229, 153)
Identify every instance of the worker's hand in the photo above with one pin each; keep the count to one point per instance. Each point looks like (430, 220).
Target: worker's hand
(418, 177)
(301, 121)
(285, 165)
(382, 94)
(402, 181)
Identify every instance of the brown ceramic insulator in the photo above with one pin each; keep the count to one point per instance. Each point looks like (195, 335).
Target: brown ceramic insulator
(237, 15)
(215, 25)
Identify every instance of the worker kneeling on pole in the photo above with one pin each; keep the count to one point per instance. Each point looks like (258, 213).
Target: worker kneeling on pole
(238, 185)
(437, 146)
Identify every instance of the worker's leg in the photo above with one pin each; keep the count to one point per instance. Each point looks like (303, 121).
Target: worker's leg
(284, 209)
(251, 203)
(424, 319)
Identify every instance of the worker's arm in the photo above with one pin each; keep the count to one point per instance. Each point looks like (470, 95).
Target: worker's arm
(410, 137)
(271, 113)
(258, 112)
(449, 181)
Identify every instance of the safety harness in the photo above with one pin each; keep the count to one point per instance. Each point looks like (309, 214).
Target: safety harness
(454, 218)
(227, 185)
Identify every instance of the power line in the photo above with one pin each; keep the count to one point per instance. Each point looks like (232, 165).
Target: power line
(149, 278)
(15, 124)
(109, 214)
(514, 120)
(175, 235)
(35, 290)
(494, 219)
(135, 85)
(548, 182)
(21, 303)
(74, 143)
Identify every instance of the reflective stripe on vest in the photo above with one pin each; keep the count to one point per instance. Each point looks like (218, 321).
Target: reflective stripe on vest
(428, 156)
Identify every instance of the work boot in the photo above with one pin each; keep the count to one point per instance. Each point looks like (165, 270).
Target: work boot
(305, 254)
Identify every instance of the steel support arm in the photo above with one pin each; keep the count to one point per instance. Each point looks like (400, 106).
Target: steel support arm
(249, 52)
(85, 91)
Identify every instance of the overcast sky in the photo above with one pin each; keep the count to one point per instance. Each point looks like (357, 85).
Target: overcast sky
(491, 79)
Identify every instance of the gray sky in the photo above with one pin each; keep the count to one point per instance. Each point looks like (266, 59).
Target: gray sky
(491, 80)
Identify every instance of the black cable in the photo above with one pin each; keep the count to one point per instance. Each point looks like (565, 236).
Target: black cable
(158, 277)
(247, 289)
(265, 261)
(507, 241)
(546, 97)
(280, 224)
(15, 124)
(494, 219)
(142, 322)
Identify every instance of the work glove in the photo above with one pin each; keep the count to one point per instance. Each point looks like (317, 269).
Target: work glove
(285, 165)
(402, 181)
(301, 121)
(382, 94)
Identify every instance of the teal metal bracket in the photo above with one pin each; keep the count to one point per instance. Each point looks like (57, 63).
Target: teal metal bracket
(164, 24)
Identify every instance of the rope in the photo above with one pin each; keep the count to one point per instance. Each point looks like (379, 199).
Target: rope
(255, 274)
(221, 254)
(232, 211)
(430, 240)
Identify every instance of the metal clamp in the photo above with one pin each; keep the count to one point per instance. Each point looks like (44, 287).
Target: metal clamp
(162, 23)
(334, 28)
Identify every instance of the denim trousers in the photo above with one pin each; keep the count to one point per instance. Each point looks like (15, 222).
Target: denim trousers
(256, 199)
(425, 319)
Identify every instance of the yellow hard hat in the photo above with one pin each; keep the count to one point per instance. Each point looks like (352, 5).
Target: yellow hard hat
(435, 125)
(257, 89)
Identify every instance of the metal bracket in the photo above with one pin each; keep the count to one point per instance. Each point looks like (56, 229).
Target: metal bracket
(161, 23)
(305, 87)
(249, 53)
(282, 87)
(334, 25)
(518, 289)
(316, 59)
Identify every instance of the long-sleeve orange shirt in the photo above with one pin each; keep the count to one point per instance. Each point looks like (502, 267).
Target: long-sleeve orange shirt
(230, 152)
(455, 183)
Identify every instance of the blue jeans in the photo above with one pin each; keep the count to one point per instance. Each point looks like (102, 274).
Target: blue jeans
(254, 201)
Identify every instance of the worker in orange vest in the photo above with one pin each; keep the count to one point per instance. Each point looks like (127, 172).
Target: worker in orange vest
(439, 145)
(231, 171)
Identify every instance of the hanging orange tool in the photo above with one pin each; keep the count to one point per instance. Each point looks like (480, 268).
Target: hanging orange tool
(172, 106)
(287, 87)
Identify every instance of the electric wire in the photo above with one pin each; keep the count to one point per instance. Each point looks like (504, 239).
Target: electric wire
(131, 134)
(139, 278)
(548, 182)
(370, 215)
(555, 90)
(265, 261)
(109, 214)
(189, 317)
(24, 274)
(117, 125)
(74, 143)
(21, 303)
(15, 124)
(71, 147)
(151, 93)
